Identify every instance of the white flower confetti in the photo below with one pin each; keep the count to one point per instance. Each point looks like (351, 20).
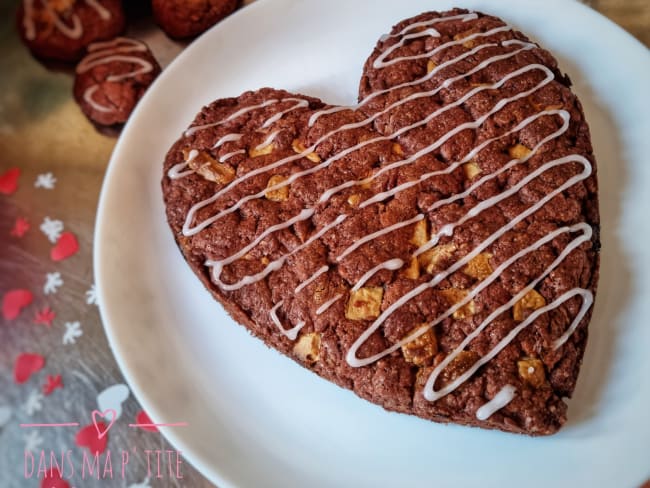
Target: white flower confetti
(72, 331)
(34, 403)
(91, 295)
(33, 441)
(52, 283)
(52, 229)
(46, 181)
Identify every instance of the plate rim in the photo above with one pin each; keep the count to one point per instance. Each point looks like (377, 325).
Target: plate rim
(212, 473)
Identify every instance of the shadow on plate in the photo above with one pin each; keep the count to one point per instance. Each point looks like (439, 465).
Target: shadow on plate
(615, 283)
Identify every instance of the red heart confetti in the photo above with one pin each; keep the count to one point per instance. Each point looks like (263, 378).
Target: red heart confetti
(143, 418)
(65, 247)
(45, 317)
(52, 479)
(21, 226)
(51, 384)
(27, 364)
(89, 437)
(9, 181)
(14, 301)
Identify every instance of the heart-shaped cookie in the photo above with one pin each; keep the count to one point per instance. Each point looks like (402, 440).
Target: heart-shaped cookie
(434, 248)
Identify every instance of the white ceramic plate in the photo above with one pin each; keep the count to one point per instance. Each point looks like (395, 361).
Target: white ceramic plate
(255, 417)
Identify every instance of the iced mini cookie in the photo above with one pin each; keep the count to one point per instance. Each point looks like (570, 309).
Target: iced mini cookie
(112, 77)
(433, 248)
(61, 29)
(182, 19)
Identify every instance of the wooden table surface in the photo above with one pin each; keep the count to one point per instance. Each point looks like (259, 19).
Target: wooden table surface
(42, 131)
(632, 15)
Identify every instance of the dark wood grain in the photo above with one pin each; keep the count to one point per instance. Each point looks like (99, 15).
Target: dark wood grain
(632, 15)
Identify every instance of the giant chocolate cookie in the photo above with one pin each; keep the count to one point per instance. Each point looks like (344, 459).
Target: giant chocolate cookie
(433, 248)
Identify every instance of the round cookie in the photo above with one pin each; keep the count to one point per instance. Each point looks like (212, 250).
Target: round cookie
(112, 78)
(61, 29)
(188, 18)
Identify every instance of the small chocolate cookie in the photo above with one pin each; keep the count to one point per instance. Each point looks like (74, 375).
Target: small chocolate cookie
(188, 18)
(61, 29)
(112, 78)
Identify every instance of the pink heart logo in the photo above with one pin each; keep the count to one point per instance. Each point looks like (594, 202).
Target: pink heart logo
(101, 433)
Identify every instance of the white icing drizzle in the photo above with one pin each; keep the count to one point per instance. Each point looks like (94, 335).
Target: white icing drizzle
(380, 63)
(582, 229)
(425, 23)
(227, 138)
(293, 333)
(311, 279)
(229, 155)
(196, 128)
(301, 103)
(28, 20)
(189, 230)
(118, 42)
(268, 141)
(176, 171)
(290, 333)
(391, 264)
(74, 32)
(513, 42)
(316, 115)
(245, 110)
(232, 137)
(217, 266)
(432, 395)
(107, 52)
(99, 8)
(371, 237)
(88, 97)
(323, 308)
(500, 400)
(587, 302)
(351, 356)
(470, 155)
(307, 213)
